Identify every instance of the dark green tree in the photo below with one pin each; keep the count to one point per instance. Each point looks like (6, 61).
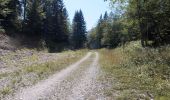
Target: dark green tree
(108, 33)
(78, 36)
(34, 21)
(92, 42)
(4, 11)
(12, 21)
(99, 32)
(149, 18)
(105, 16)
(56, 26)
(34, 18)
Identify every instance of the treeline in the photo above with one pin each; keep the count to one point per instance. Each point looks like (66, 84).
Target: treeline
(145, 20)
(108, 33)
(42, 23)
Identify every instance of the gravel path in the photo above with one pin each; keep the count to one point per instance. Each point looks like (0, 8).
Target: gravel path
(76, 82)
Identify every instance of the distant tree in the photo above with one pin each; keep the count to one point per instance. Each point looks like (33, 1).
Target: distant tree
(105, 30)
(78, 36)
(105, 16)
(116, 34)
(99, 32)
(149, 18)
(92, 39)
(65, 25)
(83, 27)
(108, 33)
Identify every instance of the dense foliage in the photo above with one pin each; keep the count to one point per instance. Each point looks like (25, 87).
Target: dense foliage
(4, 10)
(153, 20)
(78, 36)
(9, 14)
(147, 20)
(42, 23)
(108, 32)
(56, 29)
(137, 73)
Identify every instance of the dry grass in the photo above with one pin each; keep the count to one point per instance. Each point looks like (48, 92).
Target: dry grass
(30, 75)
(138, 73)
(6, 91)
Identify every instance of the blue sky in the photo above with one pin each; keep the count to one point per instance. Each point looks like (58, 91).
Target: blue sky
(92, 9)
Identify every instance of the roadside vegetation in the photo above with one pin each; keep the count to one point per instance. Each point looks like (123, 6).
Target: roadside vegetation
(136, 72)
(30, 74)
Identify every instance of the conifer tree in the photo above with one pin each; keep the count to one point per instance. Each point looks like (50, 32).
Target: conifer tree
(105, 16)
(99, 32)
(34, 18)
(79, 31)
(56, 34)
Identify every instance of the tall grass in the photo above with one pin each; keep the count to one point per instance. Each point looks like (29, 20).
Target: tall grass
(139, 73)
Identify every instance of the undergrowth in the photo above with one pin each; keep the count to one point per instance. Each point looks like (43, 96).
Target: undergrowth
(138, 73)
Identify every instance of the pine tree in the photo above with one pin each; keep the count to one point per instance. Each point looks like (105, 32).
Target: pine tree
(99, 32)
(105, 16)
(34, 18)
(79, 31)
(83, 27)
(92, 42)
(107, 33)
(56, 35)
(65, 22)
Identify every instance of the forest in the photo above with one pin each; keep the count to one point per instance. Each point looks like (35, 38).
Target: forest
(145, 20)
(46, 23)
(42, 23)
(46, 55)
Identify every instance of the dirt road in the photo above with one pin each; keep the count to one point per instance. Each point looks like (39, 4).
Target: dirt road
(76, 82)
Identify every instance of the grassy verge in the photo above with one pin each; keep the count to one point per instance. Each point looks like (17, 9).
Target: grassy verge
(30, 75)
(138, 73)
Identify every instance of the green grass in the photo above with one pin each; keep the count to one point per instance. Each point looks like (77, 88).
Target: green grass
(138, 73)
(6, 91)
(51, 67)
(45, 69)
(3, 75)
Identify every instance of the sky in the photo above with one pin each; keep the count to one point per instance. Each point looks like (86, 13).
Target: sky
(92, 9)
